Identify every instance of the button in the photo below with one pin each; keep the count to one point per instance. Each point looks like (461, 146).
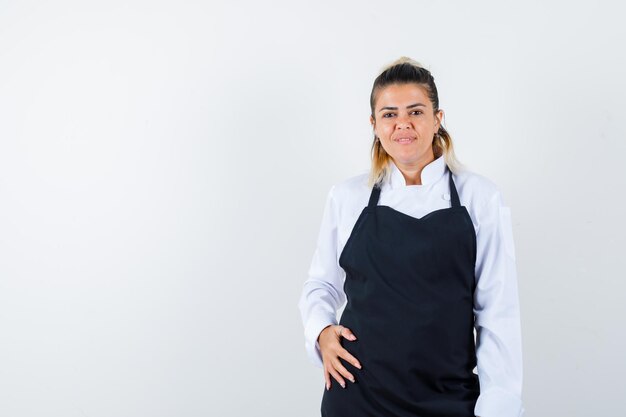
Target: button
(445, 196)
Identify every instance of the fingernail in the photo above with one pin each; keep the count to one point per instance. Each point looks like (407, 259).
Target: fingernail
(352, 379)
(358, 365)
(343, 385)
(327, 386)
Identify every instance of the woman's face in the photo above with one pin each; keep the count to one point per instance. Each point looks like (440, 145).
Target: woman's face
(405, 124)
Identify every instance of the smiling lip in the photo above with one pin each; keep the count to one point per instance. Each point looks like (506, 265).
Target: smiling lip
(405, 140)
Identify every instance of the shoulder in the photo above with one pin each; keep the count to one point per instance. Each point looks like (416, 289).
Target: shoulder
(476, 191)
(350, 187)
(350, 192)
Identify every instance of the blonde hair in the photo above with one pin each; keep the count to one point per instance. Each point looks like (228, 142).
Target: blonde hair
(405, 70)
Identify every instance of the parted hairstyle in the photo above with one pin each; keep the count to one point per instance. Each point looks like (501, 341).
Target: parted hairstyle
(405, 70)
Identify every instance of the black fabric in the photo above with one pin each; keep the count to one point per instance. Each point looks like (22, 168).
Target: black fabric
(409, 287)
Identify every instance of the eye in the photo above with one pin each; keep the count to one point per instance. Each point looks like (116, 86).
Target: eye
(417, 111)
(387, 114)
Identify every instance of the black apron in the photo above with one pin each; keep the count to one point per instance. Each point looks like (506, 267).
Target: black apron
(409, 287)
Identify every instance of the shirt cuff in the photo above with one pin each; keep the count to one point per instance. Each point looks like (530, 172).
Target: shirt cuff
(311, 333)
(498, 402)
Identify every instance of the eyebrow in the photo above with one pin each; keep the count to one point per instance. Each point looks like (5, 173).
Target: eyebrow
(408, 107)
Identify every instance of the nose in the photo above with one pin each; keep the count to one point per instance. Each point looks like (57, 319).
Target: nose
(402, 122)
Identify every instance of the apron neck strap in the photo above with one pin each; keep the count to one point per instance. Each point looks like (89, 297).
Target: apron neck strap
(374, 196)
(454, 195)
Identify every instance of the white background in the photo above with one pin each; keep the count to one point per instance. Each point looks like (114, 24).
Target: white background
(164, 165)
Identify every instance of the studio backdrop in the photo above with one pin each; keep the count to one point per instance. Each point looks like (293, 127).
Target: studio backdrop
(164, 166)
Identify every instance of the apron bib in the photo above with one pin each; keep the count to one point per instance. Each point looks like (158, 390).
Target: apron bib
(410, 288)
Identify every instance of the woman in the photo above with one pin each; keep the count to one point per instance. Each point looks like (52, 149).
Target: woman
(422, 251)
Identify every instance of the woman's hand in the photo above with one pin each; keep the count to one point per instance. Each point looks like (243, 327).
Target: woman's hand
(332, 350)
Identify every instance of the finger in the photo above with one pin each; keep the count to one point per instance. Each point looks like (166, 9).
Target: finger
(347, 333)
(349, 358)
(339, 330)
(342, 370)
(327, 379)
(338, 377)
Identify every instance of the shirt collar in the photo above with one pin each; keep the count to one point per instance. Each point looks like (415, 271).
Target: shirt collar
(429, 175)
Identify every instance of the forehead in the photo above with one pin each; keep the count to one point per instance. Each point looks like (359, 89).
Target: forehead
(399, 95)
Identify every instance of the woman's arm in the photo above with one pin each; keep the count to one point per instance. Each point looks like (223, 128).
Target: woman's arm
(497, 315)
(322, 293)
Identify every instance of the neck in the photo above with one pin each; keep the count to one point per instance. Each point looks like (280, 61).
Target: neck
(412, 172)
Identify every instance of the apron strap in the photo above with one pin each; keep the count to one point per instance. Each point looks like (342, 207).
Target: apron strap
(374, 196)
(454, 195)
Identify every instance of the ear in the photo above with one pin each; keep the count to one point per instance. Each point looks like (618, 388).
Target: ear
(372, 121)
(440, 115)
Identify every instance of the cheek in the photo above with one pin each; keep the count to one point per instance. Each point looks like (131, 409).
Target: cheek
(385, 129)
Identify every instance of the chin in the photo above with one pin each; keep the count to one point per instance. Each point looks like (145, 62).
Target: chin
(410, 156)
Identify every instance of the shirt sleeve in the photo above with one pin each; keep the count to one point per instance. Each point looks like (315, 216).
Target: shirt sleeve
(497, 315)
(322, 293)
